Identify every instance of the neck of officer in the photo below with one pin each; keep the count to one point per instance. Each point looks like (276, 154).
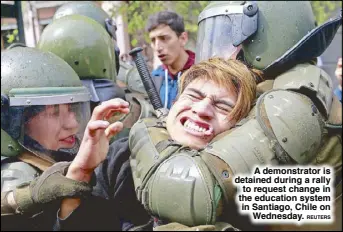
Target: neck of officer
(179, 63)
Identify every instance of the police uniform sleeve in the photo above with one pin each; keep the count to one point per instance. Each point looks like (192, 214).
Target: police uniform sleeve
(98, 211)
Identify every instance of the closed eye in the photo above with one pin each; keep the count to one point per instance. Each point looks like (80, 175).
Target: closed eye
(194, 93)
(194, 96)
(223, 107)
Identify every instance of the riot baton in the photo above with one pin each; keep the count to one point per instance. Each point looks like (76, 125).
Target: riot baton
(147, 81)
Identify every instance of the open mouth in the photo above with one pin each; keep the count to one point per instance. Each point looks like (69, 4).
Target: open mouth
(69, 140)
(162, 57)
(196, 127)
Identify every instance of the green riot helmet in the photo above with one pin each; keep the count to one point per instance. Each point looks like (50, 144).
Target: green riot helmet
(268, 32)
(91, 10)
(44, 106)
(221, 28)
(88, 49)
(14, 45)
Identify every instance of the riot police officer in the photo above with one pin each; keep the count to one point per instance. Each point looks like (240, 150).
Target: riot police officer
(282, 40)
(44, 112)
(93, 59)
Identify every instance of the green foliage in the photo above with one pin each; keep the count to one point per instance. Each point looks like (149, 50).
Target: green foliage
(138, 12)
(12, 37)
(324, 9)
(190, 11)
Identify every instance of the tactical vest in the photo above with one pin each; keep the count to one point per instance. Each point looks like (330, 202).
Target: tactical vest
(191, 186)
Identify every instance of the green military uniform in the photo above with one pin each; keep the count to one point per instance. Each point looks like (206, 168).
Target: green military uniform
(275, 37)
(32, 80)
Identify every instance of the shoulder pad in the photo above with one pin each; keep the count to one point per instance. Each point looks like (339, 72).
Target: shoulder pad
(146, 108)
(16, 173)
(123, 71)
(278, 133)
(128, 74)
(134, 81)
(311, 81)
(298, 130)
(182, 189)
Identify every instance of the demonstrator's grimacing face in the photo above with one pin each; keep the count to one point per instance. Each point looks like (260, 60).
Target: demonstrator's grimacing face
(200, 113)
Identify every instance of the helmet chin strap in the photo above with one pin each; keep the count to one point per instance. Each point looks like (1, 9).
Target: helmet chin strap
(62, 154)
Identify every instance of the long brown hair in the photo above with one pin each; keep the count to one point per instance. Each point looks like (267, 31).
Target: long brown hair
(232, 75)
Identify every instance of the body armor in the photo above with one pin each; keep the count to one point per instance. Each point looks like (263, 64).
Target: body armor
(188, 186)
(32, 82)
(129, 78)
(14, 173)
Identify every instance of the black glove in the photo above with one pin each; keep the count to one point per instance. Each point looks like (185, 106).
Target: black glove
(50, 186)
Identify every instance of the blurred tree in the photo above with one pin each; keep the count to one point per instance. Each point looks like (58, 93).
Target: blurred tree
(136, 14)
(324, 9)
(11, 37)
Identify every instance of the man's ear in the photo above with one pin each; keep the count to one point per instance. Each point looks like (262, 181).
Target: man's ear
(183, 38)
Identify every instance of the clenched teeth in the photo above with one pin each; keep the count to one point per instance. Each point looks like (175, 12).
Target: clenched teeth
(193, 126)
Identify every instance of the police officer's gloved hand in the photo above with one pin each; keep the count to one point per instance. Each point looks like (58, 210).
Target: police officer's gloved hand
(174, 226)
(50, 186)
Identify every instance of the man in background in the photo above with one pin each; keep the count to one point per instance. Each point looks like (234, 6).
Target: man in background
(168, 39)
